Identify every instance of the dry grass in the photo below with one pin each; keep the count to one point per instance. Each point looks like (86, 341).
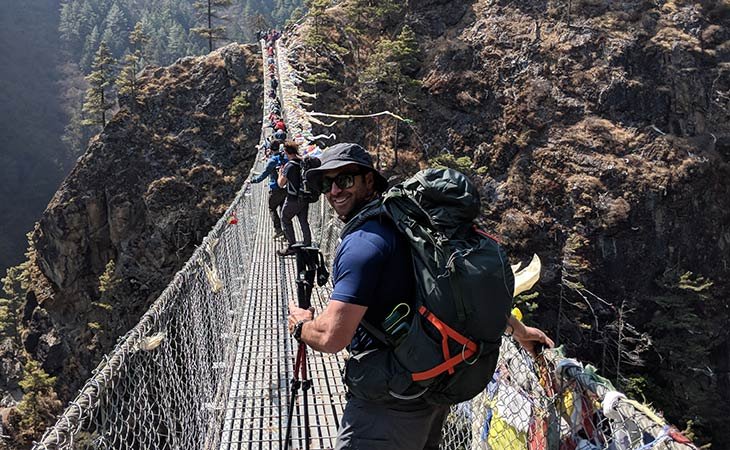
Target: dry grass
(669, 37)
(216, 60)
(602, 135)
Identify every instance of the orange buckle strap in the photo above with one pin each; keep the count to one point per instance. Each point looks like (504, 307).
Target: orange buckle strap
(487, 235)
(470, 348)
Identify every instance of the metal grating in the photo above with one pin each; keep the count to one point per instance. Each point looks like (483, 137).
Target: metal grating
(256, 407)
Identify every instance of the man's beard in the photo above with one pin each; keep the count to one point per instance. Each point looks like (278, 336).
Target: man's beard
(359, 207)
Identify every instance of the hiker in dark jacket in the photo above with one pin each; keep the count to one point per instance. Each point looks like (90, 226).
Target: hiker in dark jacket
(290, 178)
(372, 273)
(280, 135)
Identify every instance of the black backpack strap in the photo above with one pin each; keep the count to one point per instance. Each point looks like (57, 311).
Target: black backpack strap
(369, 211)
(289, 187)
(376, 332)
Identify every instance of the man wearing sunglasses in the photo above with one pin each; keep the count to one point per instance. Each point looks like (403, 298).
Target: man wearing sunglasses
(372, 273)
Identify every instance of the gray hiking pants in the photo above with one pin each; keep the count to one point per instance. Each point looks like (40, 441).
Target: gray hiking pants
(276, 199)
(370, 426)
(294, 206)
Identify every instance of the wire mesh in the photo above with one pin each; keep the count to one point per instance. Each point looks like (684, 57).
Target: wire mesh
(208, 366)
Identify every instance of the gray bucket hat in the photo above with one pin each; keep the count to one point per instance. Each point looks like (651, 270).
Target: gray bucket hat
(343, 154)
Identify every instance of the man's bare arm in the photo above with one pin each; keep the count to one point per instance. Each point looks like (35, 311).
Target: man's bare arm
(281, 181)
(330, 331)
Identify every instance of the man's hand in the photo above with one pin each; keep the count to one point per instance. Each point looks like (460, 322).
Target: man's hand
(530, 337)
(296, 314)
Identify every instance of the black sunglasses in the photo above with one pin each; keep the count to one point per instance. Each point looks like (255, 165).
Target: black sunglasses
(342, 180)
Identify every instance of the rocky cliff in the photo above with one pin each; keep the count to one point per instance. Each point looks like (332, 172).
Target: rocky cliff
(600, 134)
(137, 203)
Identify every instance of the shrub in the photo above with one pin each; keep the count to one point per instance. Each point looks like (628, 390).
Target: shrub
(39, 404)
(239, 104)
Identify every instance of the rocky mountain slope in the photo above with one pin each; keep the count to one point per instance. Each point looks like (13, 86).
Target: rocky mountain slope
(600, 134)
(131, 212)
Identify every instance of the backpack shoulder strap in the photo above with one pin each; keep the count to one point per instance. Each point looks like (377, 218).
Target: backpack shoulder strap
(369, 211)
(289, 188)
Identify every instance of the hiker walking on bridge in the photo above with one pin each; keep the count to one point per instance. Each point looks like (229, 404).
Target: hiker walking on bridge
(277, 195)
(372, 274)
(290, 178)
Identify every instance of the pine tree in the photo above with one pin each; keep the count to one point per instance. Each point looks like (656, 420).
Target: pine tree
(116, 28)
(87, 53)
(156, 50)
(39, 404)
(69, 24)
(370, 13)
(177, 42)
(317, 10)
(96, 101)
(14, 288)
(315, 38)
(209, 11)
(393, 64)
(390, 70)
(296, 14)
(406, 52)
(88, 19)
(138, 40)
(127, 84)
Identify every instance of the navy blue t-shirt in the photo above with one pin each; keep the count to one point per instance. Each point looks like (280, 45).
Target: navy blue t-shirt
(373, 268)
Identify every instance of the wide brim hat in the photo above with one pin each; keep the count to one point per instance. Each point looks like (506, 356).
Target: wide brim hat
(340, 155)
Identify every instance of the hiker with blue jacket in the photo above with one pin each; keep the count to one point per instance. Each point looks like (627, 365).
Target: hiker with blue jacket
(277, 195)
(372, 275)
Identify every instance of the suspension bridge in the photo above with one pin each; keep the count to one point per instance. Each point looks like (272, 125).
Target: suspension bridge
(209, 365)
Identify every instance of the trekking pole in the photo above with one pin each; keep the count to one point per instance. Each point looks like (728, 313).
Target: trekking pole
(300, 366)
(306, 261)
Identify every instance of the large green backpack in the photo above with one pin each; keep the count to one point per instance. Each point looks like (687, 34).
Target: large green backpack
(443, 346)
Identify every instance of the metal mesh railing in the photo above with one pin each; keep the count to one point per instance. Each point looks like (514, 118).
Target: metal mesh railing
(161, 385)
(169, 383)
